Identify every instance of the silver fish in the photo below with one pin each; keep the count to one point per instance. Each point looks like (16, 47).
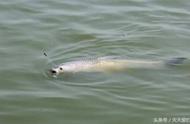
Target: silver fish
(107, 64)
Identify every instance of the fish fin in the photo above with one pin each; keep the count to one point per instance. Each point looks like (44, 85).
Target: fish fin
(176, 61)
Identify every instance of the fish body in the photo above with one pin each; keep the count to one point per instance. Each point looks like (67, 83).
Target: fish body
(110, 64)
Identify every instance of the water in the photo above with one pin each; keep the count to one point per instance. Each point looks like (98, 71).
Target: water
(73, 29)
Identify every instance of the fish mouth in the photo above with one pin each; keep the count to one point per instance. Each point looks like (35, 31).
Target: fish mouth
(53, 72)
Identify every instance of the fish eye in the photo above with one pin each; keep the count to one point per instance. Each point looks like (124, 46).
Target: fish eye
(61, 68)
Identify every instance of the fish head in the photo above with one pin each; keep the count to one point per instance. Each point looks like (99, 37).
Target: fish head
(56, 70)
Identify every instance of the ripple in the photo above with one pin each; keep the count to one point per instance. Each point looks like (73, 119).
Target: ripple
(74, 29)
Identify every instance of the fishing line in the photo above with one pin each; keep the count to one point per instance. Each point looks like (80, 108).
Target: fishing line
(47, 57)
(45, 54)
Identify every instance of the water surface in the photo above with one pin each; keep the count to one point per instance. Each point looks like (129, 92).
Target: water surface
(72, 29)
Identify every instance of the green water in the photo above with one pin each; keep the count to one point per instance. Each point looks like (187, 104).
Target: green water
(70, 29)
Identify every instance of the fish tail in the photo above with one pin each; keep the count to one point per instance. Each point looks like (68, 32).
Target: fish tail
(176, 61)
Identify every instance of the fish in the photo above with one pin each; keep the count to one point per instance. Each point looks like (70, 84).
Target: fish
(109, 64)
